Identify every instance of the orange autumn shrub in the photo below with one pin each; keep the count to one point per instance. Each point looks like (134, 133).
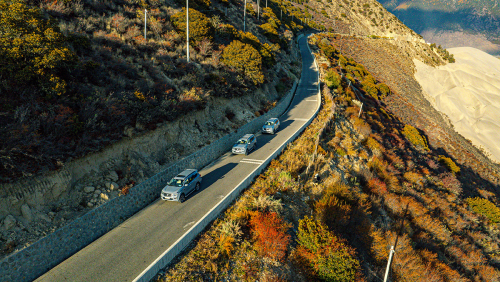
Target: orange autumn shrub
(269, 231)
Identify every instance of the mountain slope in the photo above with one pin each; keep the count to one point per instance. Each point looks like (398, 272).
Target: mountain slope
(452, 23)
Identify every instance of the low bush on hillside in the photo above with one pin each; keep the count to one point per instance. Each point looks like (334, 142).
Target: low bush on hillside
(450, 164)
(332, 79)
(245, 59)
(329, 256)
(34, 52)
(485, 207)
(271, 239)
(200, 26)
(414, 136)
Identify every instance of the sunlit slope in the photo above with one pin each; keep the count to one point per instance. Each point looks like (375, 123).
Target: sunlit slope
(468, 92)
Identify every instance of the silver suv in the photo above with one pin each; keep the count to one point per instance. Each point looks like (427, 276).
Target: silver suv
(181, 185)
(271, 126)
(245, 144)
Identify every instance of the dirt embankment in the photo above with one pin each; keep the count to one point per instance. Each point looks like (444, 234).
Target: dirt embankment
(390, 61)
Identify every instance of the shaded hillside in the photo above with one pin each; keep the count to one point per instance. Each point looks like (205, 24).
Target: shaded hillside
(330, 207)
(82, 74)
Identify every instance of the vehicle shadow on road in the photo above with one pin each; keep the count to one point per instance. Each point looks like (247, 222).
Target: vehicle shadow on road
(265, 138)
(216, 174)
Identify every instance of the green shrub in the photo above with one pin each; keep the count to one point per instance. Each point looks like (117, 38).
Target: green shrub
(332, 79)
(271, 18)
(266, 51)
(370, 88)
(268, 54)
(32, 49)
(250, 10)
(270, 32)
(329, 256)
(412, 134)
(199, 25)
(485, 207)
(450, 164)
(384, 90)
(328, 50)
(244, 58)
(341, 152)
(228, 30)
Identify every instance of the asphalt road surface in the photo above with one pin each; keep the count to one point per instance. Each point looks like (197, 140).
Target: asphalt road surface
(124, 252)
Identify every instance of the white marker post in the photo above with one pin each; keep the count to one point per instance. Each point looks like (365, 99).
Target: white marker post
(187, 29)
(245, 16)
(258, 9)
(145, 22)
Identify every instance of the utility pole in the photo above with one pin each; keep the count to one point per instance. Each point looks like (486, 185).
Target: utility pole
(266, 3)
(187, 29)
(245, 16)
(393, 248)
(258, 9)
(145, 22)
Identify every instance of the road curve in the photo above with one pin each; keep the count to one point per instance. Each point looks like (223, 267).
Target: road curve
(124, 252)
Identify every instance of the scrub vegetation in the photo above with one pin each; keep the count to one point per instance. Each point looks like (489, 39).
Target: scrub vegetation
(331, 205)
(75, 75)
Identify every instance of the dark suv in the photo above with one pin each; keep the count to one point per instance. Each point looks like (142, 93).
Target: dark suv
(181, 185)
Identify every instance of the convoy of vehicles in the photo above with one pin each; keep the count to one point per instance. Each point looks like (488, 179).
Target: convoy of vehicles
(188, 181)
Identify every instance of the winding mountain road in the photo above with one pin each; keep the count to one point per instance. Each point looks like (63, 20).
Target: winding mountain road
(124, 252)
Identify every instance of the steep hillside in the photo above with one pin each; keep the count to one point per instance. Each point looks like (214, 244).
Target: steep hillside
(332, 205)
(452, 23)
(86, 99)
(80, 75)
(98, 81)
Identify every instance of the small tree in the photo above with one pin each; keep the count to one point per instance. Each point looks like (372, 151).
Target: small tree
(32, 50)
(328, 256)
(332, 79)
(199, 25)
(412, 134)
(270, 233)
(244, 58)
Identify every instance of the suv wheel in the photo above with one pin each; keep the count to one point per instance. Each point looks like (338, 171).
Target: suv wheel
(182, 198)
(197, 187)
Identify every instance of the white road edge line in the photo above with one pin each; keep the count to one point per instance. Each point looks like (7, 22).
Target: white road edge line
(248, 162)
(140, 277)
(300, 119)
(253, 160)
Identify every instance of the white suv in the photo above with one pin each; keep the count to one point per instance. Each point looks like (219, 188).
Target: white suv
(181, 185)
(245, 144)
(271, 126)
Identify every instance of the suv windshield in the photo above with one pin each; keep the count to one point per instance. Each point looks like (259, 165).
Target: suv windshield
(241, 141)
(175, 182)
(269, 123)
